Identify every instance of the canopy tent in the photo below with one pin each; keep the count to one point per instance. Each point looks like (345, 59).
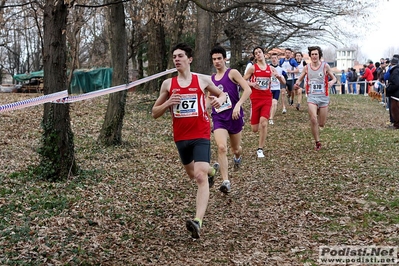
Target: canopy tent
(83, 80)
(91, 80)
(28, 76)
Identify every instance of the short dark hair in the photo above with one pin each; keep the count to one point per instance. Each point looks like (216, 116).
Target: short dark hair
(299, 53)
(288, 49)
(312, 48)
(218, 50)
(258, 47)
(185, 47)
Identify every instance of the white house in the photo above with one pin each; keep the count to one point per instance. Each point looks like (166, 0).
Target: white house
(345, 58)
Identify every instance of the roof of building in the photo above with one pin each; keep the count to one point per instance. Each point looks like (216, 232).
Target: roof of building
(346, 49)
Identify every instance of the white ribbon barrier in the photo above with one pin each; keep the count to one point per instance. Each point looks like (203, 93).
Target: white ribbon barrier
(33, 101)
(93, 94)
(62, 97)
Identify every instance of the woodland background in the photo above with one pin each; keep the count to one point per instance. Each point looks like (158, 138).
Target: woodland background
(98, 182)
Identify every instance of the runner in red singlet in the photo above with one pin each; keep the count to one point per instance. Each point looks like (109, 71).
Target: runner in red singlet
(184, 96)
(261, 97)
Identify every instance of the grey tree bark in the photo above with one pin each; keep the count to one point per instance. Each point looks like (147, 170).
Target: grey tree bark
(57, 147)
(156, 52)
(111, 131)
(202, 62)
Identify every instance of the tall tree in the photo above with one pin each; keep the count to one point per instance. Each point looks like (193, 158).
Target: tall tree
(203, 45)
(290, 23)
(111, 131)
(57, 148)
(179, 18)
(156, 47)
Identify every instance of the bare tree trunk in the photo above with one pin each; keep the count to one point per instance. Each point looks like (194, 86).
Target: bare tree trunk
(156, 51)
(236, 61)
(235, 35)
(179, 18)
(57, 147)
(111, 131)
(202, 62)
(74, 42)
(140, 62)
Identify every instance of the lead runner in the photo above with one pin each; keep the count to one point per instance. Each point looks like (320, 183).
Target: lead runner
(185, 97)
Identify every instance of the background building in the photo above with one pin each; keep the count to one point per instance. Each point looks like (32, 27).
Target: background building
(345, 58)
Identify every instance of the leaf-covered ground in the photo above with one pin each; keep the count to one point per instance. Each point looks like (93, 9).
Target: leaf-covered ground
(129, 204)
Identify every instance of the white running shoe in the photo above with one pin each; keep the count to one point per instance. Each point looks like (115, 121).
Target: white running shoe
(271, 122)
(284, 111)
(260, 154)
(225, 187)
(237, 162)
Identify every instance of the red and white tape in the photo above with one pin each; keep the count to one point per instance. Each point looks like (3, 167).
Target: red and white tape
(63, 97)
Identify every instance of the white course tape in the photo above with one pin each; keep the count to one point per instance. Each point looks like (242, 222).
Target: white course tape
(93, 94)
(199, 74)
(33, 101)
(62, 96)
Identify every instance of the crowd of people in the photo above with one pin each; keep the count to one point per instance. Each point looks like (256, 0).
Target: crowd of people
(374, 77)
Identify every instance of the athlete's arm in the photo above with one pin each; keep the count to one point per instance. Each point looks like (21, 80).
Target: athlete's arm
(277, 75)
(164, 102)
(248, 74)
(235, 76)
(216, 97)
(296, 70)
(301, 77)
(332, 76)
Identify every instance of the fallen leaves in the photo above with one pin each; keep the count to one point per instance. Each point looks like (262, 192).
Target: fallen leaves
(129, 205)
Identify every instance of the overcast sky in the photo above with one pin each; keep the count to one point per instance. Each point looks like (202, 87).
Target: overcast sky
(384, 36)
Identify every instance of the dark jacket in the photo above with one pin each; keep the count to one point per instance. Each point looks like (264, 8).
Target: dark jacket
(349, 75)
(393, 82)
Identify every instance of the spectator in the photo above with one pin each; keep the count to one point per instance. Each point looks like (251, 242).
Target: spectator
(393, 91)
(378, 69)
(386, 78)
(354, 81)
(380, 77)
(349, 75)
(343, 81)
(361, 82)
(373, 69)
(368, 76)
(333, 90)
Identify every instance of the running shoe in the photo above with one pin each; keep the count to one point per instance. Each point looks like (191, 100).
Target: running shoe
(271, 122)
(225, 187)
(298, 105)
(211, 178)
(194, 227)
(237, 162)
(291, 102)
(318, 146)
(284, 111)
(260, 154)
